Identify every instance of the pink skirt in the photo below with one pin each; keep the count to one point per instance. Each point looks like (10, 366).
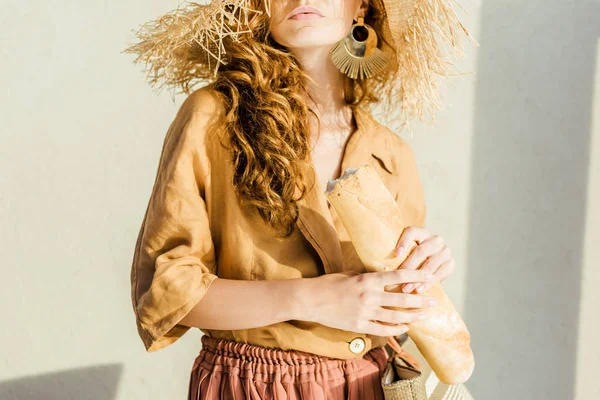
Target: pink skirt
(238, 371)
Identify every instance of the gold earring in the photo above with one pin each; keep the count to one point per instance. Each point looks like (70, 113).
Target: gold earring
(357, 55)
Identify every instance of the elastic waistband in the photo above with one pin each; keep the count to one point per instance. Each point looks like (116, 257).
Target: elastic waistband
(261, 354)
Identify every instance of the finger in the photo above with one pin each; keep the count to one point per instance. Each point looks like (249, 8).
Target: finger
(413, 263)
(442, 273)
(399, 317)
(379, 329)
(406, 300)
(420, 255)
(434, 262)
(409, 235)
(409, 287)
(445, 270)
(423, 288)
(402, 276)
(431, 264)
(428, 247)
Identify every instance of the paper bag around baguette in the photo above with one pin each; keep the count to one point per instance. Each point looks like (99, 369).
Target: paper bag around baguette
(374, 223)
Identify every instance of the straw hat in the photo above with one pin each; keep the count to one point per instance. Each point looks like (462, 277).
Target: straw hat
(184, 48)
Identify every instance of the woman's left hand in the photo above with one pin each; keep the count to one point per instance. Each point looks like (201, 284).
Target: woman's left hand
(431, 254)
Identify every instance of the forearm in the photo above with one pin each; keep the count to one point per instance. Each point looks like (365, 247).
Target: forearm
(243, 304)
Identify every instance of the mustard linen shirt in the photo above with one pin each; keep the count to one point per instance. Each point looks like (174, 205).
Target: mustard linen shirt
(194, 231)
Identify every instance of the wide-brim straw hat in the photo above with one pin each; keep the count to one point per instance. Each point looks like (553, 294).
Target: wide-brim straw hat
(184, 48)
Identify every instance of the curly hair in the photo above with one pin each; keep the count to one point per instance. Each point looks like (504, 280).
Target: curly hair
(264, 86)
(267, 119)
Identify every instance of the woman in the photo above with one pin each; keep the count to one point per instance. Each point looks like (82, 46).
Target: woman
(238, 239)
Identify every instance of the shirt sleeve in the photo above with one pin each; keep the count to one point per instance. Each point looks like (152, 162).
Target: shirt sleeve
(174, 259)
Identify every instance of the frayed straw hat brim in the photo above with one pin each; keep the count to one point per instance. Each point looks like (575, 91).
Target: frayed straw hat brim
(184, 47)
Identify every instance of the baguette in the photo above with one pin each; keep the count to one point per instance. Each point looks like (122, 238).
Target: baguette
(374, 223)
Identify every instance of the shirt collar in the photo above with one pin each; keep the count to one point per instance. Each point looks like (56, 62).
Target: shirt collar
(370, 139)
(373, 136)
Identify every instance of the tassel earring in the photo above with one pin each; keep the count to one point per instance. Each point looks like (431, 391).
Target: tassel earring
(357, 55)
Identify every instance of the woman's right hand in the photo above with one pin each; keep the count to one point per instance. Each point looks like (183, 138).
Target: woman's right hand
(354, 302)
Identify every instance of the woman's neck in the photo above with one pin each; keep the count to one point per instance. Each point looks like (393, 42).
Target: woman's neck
(328, 89)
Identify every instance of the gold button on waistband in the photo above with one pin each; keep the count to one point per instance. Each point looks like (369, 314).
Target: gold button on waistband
(357, 345)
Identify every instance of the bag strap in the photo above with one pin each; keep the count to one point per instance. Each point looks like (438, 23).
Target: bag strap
(393, 343)
(403, 354)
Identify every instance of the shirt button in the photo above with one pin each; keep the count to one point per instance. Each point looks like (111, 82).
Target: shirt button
(357, 345)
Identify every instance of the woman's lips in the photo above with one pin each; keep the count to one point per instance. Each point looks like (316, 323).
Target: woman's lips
(304, 13)
(306, 16)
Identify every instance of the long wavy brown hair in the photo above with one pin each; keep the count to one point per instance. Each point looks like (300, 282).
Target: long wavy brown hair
(267, 119)
(264, 86)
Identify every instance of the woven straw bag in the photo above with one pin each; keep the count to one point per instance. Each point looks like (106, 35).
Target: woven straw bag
(403, 380)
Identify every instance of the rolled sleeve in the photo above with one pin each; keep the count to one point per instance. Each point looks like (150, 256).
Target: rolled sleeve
(174, 260)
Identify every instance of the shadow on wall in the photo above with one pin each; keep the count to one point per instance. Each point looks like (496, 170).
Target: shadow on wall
(91, 383)
(530, 164)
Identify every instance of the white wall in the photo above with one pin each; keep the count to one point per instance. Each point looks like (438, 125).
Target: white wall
(81, 135)
(510, 172)
(588, 346)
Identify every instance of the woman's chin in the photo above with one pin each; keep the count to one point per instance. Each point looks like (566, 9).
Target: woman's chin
(308, 34)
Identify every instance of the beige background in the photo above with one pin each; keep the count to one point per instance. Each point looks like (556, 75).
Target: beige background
(511, 173)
